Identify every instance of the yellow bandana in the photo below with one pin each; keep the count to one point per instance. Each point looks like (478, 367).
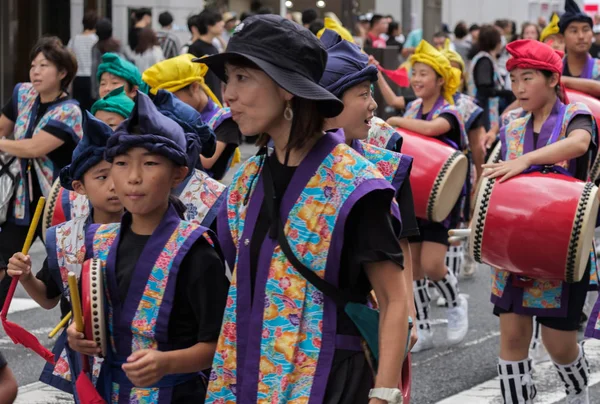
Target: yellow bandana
(177, 73)
(333, 25)
(452, 55)
(427, 54)
(551, 29)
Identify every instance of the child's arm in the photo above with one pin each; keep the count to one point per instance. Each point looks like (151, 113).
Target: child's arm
(8, 383)
(20, 265)
(575, 145)
(433, 128)
(587, 86)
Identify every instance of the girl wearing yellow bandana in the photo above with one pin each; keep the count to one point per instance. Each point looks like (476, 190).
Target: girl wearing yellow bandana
(434, 114)
(551, 35)
(185, 79)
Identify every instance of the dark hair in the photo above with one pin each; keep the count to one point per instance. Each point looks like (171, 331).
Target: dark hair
(146, 40)
(375, 19)
(502, 23)
(391, 17)
(89, 20)
(265, 10)
(489, 38)
(106, 42)
(440, 34)
(207, 18)
(193, 21)
(461, 31)
(141, 13)
(474, 27)
(316, 26)
(559, 93)
(309, 15)
(245, 15)
(165, 19)
(392, 27)
(255, 6)
(530, 24)
(58, 54)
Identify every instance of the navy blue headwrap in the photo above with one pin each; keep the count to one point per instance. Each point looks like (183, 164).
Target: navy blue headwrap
(347, 65)
(89, 151)
(190, 121)
(153, 131)
(573, 14)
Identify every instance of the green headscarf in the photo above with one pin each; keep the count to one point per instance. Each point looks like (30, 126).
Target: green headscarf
(114, 64)
(116, 101)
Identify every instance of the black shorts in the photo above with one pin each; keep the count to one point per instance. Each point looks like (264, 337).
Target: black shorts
(430, 231)
(571, 322)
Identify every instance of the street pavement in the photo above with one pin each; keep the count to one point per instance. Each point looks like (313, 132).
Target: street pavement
(461, 374)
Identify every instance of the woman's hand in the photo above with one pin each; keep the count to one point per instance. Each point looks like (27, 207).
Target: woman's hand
(146, 367)
(19, 265)
(487, 140)
(78, 343)
(373, 61)
(395, 121)
(506, 169)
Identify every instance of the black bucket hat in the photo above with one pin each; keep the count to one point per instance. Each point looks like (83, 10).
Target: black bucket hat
(288, 53)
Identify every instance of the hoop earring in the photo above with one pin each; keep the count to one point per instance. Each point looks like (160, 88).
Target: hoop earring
(288, 113)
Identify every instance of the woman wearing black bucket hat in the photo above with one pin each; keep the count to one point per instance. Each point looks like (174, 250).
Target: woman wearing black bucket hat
(291, 230)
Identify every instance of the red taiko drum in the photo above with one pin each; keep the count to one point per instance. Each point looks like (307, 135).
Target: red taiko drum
(92, 303)
(437, 176)
(62, 205)
(535, 225)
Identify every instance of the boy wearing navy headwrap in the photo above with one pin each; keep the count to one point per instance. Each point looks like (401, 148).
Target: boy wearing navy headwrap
(581, 72)
(89, 175)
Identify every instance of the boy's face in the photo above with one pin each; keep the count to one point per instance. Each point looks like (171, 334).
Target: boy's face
(98, 186)
(112, 119)
(359, 108)
(109, 82)
(578, 37)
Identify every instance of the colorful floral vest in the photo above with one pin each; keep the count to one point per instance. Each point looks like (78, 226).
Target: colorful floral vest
(65, 247)
(65, 115)
(202, 196)
(468, 108)
(141, 321)
(415, 109)
(494, 102)
(590, 71)
(510, 116)
(542, 294)
(384, 136)
(279, 347)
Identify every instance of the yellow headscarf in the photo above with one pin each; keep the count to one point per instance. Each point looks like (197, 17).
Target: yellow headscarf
(427, 54)
(551, 29)
(177, 73)
(452, 55)
(333, 25)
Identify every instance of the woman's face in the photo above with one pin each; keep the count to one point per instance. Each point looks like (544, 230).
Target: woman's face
(530, 33)
(359, 108)
(425, 82)
(109, 82)
(142, 178)
(44, 75)
(257, 103)
(532, 89)
(112, 119)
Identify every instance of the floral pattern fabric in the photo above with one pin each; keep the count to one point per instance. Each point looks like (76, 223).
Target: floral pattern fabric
(200, 197)
(383, 135)
(468, 108)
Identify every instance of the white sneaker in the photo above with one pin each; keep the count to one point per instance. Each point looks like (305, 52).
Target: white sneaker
(458, 321)
(539, 354)
(424, 342)
(469, 266)
(441, 302)
(581, 398)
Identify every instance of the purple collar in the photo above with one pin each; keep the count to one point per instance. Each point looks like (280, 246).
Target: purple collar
(550, 129)
(588, 69)
(438, 104)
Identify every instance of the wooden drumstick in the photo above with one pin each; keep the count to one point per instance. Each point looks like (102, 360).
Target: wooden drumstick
(60, 325)
(461, 233)
(75, 302)
(455, 239)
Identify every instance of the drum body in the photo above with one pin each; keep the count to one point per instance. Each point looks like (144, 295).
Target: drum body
(437, 177)
(535, 225)
(63, 205)
(594, 105)
(92, 302)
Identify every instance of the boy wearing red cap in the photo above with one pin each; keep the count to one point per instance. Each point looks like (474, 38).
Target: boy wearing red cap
(527, 142)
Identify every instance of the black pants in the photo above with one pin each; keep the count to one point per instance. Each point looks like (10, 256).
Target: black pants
(82, 92)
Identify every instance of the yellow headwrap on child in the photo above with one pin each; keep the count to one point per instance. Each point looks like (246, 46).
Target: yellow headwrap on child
(333, 25)
(551, 29)
(177, 73)
(452, 55)
(427, 54)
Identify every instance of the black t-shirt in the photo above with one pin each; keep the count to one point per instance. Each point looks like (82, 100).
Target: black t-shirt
(52, 288)
(60, 156)
(200, 48)
(454, 133)
(595, 51)
(199, 302)
(227, 132)
(370, 235)
(133, 38)
(477, 123)
(405, 200)
(2, 361)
